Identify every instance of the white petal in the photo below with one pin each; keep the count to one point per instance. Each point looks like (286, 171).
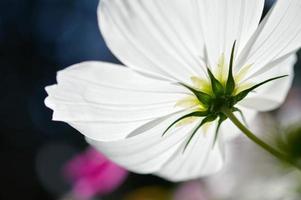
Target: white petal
(201, 158)
(278, 35)
(106, 101)
(225, 21)
(273, 94)
(161, 38)
(145, 150)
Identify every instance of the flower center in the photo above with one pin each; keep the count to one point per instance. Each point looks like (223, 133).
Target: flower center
(209, 98)
(215, 90)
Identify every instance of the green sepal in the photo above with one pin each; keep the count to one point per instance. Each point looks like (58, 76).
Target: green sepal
(230, 85)
(222, 118)
(193, 114)
(241, 114)
(203, 97)
(207, 119)
(216, 86)
(244, 93)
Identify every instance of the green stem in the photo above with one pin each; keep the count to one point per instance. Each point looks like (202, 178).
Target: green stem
(258, 141)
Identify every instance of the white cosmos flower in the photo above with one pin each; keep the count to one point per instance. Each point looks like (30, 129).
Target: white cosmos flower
(123, 111)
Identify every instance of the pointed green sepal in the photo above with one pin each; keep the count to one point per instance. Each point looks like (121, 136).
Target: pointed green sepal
(244, 93)
(230, 85)
(222, 118)
(241, 114)
(207, 119)
(217, 87)
(203, 97)
(193, 114)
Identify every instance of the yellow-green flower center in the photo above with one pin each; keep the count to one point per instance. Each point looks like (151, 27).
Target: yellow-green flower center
(210, 97)
(205, 85)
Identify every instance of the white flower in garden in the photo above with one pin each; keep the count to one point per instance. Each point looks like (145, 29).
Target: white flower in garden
(177, 57)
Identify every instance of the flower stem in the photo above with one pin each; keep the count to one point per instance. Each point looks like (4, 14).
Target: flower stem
(254, 138)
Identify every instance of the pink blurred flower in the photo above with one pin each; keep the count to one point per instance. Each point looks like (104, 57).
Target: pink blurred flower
(91, 173)
(191, 190)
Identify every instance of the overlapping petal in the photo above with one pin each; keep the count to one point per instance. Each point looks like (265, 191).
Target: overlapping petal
(278, 36)
(273, 94)
(147, 151)
(224, 22)
(201, 158)
(161, 38)
(106, 101)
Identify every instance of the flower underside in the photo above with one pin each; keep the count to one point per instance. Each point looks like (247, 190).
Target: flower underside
(210, 98)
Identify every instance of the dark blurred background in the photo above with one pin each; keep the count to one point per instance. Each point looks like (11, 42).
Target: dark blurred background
(38, 38)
